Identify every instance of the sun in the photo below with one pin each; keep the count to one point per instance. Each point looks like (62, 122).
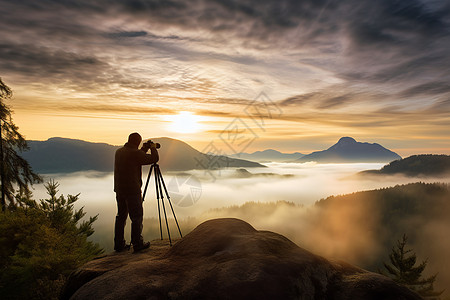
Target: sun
(184, 122)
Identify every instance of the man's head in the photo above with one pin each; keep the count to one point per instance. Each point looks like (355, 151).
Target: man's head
(135, 139)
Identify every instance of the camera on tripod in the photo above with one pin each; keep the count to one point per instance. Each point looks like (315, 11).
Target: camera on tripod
(149, 143)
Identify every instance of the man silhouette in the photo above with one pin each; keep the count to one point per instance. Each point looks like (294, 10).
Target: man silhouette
(127, 185)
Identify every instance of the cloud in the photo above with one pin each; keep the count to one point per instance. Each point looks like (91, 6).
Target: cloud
(296, 100)
(128, 34)
(441, 108)
(326, 61)
(399, 42)
(115, 109)
(429, 88)
(338, 96)
(45, 63)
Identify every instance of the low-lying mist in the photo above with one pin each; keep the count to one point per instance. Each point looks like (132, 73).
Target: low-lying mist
(282, 199)
(298, 183)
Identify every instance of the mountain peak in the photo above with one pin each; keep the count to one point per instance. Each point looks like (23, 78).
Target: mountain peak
(346, 140)
(347, 149)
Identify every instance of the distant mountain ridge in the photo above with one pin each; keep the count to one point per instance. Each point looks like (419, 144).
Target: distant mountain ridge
(347, 149)
(416, 165)
(63, 155)
(268, 155)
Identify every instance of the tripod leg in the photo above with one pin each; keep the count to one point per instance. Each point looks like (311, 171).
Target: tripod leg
(157, 200)
(168, 199)
(158, 175)
(146, 183)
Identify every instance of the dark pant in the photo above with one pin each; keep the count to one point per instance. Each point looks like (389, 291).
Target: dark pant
(128, 204)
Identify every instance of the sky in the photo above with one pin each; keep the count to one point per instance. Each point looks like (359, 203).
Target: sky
(240, 75)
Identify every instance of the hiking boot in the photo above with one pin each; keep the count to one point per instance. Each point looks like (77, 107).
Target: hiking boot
(141, 246)
(122, 248)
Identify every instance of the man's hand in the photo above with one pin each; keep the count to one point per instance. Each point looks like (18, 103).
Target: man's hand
(147, 146)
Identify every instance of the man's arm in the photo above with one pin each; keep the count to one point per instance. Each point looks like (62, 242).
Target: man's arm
(148, 159)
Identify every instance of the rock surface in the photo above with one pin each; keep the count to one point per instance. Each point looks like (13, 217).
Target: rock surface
(227, 259)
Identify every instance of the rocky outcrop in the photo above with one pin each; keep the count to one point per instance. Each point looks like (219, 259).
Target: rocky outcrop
(228, 259)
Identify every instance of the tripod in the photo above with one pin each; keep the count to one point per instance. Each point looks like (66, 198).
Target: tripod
(159, 181)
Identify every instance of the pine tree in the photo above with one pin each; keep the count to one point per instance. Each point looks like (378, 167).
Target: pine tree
(403, 270)
(14, 170)
(41, 243)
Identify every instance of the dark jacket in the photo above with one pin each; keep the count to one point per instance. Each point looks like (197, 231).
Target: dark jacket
(128, 168)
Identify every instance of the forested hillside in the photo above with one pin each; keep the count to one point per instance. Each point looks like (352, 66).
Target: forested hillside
(416, 165)
(360, 228)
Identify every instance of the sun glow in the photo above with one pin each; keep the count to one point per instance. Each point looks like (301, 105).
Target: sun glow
(184, 122)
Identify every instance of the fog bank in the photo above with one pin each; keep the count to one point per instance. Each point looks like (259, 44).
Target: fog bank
(337, 231)
(303, 184)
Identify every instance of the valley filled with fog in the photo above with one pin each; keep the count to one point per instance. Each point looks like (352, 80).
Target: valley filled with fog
(300, 183)
(283, 198)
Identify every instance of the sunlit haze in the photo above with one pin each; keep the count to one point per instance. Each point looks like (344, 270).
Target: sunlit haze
(184, 122)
